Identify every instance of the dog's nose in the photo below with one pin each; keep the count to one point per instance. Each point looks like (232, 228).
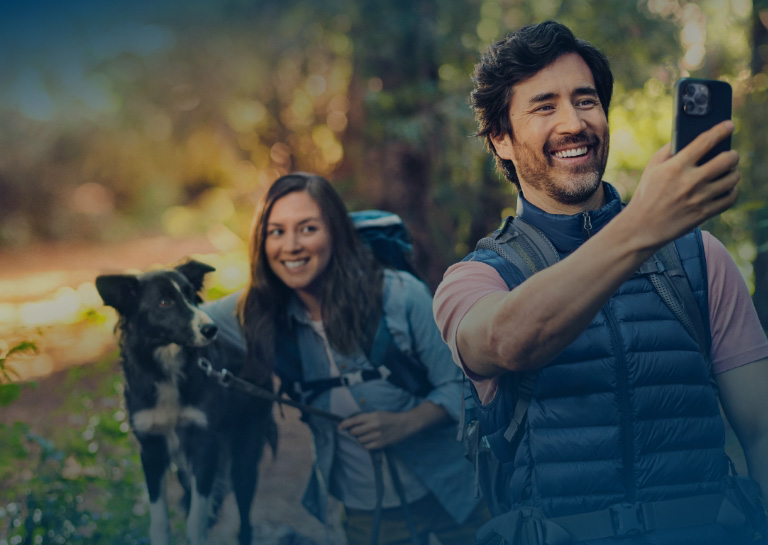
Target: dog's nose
(209, 331)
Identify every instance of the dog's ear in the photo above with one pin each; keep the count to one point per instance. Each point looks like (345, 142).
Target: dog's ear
(195, 271)
(120, 291)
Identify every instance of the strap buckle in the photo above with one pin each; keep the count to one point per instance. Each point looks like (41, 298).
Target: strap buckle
(383, 371)
(627, 519)
(353, 377)
(225, 378)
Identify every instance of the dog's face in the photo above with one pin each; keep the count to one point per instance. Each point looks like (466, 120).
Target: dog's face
(161, 306)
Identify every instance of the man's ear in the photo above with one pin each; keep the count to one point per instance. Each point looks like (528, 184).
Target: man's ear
(502, 143)
(119, 291)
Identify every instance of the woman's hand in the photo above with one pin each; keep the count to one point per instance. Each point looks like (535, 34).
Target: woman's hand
(380, 429)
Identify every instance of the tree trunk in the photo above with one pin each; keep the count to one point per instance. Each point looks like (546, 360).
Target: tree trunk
(757, 105)
(388, 151)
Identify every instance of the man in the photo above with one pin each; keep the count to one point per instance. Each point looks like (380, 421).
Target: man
(623, 438)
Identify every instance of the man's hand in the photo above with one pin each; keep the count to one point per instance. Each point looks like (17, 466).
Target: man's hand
(675, 195)
(379, 429)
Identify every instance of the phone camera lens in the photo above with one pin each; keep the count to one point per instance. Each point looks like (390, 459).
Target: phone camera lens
(688, 105)
(689, 90)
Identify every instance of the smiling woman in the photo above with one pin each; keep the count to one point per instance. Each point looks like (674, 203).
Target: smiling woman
(298, 247)
(317, 307)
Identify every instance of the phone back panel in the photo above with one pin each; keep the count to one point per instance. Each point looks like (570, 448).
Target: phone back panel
(693, 115)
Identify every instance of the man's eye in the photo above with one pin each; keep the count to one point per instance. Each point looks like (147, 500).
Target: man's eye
(165, 303)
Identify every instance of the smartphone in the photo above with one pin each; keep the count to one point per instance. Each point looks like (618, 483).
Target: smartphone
(699, 105)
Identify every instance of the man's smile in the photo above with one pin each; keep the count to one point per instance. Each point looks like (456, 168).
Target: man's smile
(574, 152)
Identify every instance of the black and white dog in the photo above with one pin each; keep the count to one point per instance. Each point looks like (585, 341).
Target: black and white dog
(213, 435)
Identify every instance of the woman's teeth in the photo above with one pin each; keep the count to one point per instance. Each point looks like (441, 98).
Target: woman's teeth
(294, 264)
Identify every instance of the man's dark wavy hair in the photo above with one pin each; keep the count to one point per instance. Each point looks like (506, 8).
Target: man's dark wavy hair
(518, 57)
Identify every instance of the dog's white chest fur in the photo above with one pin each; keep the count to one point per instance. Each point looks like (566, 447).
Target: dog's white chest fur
(168, 413)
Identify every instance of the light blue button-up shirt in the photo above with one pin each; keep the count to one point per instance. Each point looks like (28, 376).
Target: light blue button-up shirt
(433, 455)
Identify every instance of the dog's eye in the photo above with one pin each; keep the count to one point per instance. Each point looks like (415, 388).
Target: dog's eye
(165, 303)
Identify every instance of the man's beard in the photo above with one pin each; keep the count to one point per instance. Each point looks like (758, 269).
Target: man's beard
(565, 185)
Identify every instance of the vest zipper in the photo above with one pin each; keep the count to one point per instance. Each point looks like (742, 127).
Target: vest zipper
(587, 224)
(625, 406)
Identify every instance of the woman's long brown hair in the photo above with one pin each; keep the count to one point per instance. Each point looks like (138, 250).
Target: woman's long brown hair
(352, 288)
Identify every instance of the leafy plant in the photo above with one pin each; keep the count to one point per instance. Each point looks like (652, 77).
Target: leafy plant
(9, 390)
(84, 483)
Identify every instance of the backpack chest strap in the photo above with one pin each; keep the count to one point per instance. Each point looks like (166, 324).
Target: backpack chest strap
(313, 388)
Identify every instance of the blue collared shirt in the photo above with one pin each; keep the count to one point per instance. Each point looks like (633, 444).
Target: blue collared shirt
(434, 455)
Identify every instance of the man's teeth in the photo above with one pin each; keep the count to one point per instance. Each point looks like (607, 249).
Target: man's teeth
(294, 264)
(571, 152)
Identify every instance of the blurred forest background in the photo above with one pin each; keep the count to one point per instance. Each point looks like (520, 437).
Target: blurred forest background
(133, 133)
(120, 121)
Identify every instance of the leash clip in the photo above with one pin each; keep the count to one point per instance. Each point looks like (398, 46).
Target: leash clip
(225, 378)
(206, 366)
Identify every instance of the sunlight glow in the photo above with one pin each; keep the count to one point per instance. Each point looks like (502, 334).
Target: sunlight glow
(223, 238)
(233, 277)
(245, 115)
(316, 85)
(63, 308)
(694, 57)
(178, 220)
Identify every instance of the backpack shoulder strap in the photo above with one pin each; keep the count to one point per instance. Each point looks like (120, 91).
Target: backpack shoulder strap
(288, 363)
(403, 370)
(388, 361)
(667, 275)
(528, 249)
(521, 244)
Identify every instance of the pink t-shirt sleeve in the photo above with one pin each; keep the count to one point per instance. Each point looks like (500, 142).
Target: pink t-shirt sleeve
(463, 285)
(737, 336)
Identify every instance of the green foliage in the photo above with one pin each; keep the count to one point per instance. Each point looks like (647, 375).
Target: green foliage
(81, 485)
(9, 390)
(181, 133)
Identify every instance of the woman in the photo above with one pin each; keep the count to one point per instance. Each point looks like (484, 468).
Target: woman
(313, 277)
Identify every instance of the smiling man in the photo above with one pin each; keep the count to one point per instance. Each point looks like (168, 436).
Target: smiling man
(557, 112)
(623, 440)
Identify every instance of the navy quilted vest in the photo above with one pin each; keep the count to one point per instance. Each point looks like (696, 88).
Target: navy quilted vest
(626, 413)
